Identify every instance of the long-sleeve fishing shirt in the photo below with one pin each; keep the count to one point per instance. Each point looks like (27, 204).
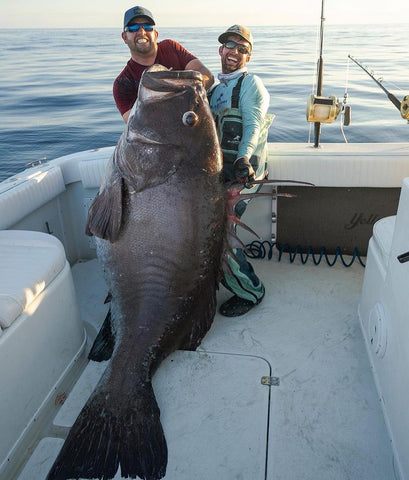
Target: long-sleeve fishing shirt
(253, 105)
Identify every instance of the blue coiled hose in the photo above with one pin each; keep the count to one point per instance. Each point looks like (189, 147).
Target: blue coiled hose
(265, 249)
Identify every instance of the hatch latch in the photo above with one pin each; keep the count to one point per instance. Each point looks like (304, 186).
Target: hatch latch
(270, 381)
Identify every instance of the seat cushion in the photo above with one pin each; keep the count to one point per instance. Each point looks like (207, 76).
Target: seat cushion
(29, 262)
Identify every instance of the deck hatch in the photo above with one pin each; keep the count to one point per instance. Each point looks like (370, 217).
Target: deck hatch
(206, 400)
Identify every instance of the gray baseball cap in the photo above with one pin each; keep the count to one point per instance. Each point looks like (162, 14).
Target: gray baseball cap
(138, 12)
(239, 30)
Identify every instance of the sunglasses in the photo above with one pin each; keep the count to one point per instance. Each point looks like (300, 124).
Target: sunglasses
(135, 28)
(241, 48)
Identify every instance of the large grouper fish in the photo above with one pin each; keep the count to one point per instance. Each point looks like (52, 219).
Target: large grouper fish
(159, 220)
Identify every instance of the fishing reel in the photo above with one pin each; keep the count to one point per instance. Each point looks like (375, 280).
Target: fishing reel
(404, 108)
(322, 109)
(326, 109)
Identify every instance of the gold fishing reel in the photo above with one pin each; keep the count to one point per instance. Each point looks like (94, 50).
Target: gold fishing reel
(404, 107)
(322, 109)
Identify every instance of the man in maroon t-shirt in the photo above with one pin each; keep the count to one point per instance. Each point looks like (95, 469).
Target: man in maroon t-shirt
(141, 36)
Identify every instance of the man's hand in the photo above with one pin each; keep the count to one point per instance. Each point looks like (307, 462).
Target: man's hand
(243, 171)
(197, 65)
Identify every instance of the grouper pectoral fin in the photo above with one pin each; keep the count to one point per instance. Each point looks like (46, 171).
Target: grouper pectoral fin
(105, 213)
(104, 342)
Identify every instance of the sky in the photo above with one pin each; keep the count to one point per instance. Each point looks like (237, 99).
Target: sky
(179, 13)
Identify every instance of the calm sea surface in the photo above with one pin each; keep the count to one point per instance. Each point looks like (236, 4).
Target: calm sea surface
(56, 85)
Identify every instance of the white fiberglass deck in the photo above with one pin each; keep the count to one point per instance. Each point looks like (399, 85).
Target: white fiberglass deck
(323, 421)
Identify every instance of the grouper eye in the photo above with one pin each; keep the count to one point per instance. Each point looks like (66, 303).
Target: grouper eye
(190, 119)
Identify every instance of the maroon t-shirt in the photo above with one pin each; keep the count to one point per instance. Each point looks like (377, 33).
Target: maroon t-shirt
(170, 54)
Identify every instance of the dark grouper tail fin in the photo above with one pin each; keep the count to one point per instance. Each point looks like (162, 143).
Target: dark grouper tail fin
(108, 435)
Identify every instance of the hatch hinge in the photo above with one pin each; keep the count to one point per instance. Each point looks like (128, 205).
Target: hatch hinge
(270, 381)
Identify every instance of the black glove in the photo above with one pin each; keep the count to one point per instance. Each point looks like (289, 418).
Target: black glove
(243, 171)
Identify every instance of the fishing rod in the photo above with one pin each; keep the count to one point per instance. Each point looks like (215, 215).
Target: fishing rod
(402, 106)
(323, 109)
(320, 69)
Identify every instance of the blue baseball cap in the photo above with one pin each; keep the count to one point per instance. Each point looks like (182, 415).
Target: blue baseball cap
(138, 12)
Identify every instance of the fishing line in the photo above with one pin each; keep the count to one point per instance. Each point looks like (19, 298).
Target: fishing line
(314, 73)
(396, 86)
(347, 80)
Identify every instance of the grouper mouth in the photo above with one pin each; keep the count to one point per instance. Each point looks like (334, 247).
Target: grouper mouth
(161, 79)
(158, 83)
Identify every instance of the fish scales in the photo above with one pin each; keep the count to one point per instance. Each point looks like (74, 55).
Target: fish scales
(159, 222)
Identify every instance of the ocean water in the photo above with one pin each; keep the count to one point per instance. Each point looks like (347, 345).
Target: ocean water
(56, 84)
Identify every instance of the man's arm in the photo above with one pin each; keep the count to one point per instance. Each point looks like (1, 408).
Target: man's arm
(254, 102)
(125, 92)
(198, 66)
(125, 116)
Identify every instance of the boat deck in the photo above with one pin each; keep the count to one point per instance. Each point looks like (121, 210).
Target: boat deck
(321, 417)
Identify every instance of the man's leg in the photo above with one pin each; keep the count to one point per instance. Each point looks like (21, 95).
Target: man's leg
(243, 282)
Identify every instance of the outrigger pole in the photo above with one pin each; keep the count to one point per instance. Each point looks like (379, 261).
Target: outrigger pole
(391, 96)
(320, 67)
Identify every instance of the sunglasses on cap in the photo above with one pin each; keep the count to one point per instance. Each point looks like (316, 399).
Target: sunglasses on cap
(134, 28)
(241, 48)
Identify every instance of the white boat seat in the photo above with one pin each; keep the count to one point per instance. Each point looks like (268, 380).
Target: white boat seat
(383, 312)
(382, 237)
(29, 262)
(43, 335)
(28, 191)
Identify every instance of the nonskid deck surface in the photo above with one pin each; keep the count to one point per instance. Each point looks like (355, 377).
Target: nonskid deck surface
(323, 421)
